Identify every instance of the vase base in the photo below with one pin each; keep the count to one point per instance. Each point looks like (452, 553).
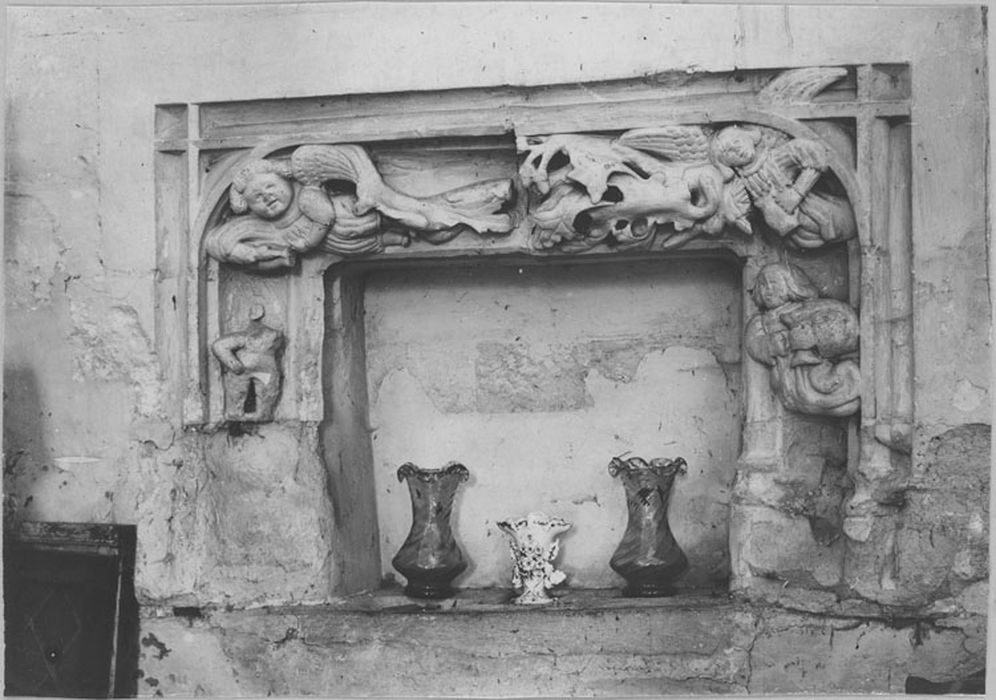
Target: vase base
(648, 589)
(428, 589)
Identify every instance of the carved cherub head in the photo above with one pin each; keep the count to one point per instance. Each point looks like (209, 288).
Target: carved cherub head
(735, 147)
(263, 187)
(780, 283)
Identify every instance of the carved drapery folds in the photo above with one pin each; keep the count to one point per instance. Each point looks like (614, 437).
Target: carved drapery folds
(810, 343)
(659, 188)
(333, 199)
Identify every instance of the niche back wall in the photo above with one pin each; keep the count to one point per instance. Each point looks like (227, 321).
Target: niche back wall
(534, 376)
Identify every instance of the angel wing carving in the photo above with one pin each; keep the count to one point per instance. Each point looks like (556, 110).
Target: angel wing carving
(676, 143)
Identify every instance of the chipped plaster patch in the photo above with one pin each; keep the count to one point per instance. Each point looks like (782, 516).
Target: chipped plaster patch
(968, 396)
(115, 348)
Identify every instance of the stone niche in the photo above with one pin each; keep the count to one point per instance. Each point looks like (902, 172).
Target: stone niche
(533, 375)
(532, 281)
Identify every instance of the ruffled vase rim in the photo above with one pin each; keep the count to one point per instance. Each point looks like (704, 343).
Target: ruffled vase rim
(658, 466)
(409, 469)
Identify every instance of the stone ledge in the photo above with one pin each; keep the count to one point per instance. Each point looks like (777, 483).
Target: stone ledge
(591, 643)
(483, 600)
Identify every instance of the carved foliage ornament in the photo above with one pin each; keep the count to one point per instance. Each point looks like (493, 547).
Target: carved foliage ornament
(332, 199)
(661, 187)
(810, 343)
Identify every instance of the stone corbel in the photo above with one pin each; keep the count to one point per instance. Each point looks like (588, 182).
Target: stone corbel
(810, 343)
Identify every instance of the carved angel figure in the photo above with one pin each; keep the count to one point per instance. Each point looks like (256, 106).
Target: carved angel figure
(290, 208)
(252, 377)
(810, 343)
(779, 180)
(660, 187)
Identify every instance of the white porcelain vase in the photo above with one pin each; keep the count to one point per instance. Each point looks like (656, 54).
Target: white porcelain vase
(534, 546)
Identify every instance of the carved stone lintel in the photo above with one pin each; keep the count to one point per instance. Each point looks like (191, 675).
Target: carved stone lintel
(252, 377)
(810, 344)
(332, 198)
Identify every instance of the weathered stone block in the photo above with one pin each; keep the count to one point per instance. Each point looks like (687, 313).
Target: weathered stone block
(944, 538)
(269, 513)
(803, 655)
(780, 546)
(870, 568)
(171, 521)
(179, 658)
(639, 649)
(643, 648)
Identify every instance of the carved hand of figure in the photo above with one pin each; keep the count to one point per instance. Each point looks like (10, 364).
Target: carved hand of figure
(225, 350)
(788, 199)
(265, 255)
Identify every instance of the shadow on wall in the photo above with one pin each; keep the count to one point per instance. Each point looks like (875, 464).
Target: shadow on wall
(25, 451)
(40, 484)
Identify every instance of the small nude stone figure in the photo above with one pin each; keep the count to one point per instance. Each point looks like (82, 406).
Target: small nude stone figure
(251, 373)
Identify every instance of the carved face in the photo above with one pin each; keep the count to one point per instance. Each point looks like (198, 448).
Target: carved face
(268, 195)
(780, 283)
(735, 147)
(771, 290)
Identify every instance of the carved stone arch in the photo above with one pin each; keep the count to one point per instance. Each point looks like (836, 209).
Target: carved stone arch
(307, 303)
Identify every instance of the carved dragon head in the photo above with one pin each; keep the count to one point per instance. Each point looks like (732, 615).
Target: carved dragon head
(594, 189)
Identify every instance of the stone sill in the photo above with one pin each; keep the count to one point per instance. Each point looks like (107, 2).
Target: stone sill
(391, 600)
(588, 643)
(497, 600)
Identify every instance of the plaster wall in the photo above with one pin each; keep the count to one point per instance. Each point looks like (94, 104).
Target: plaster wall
(84, 399)
(80, 247)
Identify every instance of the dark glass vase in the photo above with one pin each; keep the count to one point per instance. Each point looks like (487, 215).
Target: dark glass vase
(430, 558)
(648, 557)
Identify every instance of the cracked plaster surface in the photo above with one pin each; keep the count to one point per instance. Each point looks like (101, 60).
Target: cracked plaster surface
(715, 648)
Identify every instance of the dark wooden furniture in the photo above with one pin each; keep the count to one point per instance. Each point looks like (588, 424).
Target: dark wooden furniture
(70, 616)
